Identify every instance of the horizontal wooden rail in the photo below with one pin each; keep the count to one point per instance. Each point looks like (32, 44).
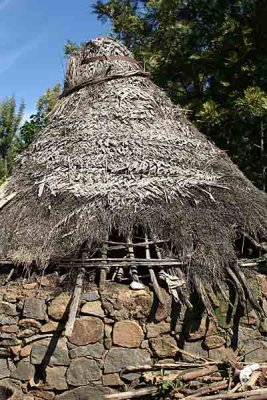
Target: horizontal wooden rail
(120, 259)
(122, 246)
(126, 262)
(6, 261)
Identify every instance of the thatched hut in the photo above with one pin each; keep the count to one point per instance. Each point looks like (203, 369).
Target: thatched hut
(120, 165)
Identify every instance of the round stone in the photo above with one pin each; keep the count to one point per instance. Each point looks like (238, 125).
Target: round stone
(127, 334)
(87, 330)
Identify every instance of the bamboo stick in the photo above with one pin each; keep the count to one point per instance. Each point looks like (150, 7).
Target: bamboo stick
(258, 397)
(151, 390)
(74, 303)
(153, 277)
(252, 395)
(124, 265)
(89, 260)
(120, 262)
(197, 373)
(37, 337)
(176, 365)
(9, 276)
(209, 389)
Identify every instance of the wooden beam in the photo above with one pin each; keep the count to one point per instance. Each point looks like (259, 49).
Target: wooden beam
(93, 260)
(260, 394)
(134, 271)
(74, 303)
(103, 267)
(9, 277)
(153, 277)
(124, 263)
(152, 390)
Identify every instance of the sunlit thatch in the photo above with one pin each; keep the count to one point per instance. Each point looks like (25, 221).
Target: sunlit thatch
(116, 154)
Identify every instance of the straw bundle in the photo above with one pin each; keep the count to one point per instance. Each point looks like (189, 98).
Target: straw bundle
(117, 155)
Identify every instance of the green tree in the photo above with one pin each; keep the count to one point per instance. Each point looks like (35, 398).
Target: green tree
(29, 130)
(210, 57)
(11, 116)
(71, 47)
(45, 105)
(48, 101)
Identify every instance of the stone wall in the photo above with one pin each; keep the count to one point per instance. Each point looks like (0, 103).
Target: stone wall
(115, 329)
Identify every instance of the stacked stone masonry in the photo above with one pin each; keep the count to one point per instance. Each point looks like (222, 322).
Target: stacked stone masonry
(114, 329)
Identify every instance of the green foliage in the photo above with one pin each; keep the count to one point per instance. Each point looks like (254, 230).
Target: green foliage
(47, 102)
(15, 137)
(253, 103)
(45, 105)
(10, 119)
(169, 387)
(210, 57)
(30, 129)
(72, 47)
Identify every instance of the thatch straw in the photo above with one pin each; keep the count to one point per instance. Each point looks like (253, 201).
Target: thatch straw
(116, 154)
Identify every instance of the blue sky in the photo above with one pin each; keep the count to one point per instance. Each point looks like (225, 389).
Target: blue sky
(32, 37)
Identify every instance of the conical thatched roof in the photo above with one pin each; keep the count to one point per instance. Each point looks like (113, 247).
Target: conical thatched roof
(116, 154)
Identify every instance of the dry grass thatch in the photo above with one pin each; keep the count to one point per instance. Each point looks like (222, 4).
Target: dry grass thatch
(116, 154)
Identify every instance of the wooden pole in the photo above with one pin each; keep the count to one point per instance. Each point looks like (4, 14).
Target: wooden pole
(153, 277)
(175, 365)
(197, 373)
(152, 390)
(104, 267)
(213, 387)
(74, 303)
(252, 395)
(134, 271)
(9, 276)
